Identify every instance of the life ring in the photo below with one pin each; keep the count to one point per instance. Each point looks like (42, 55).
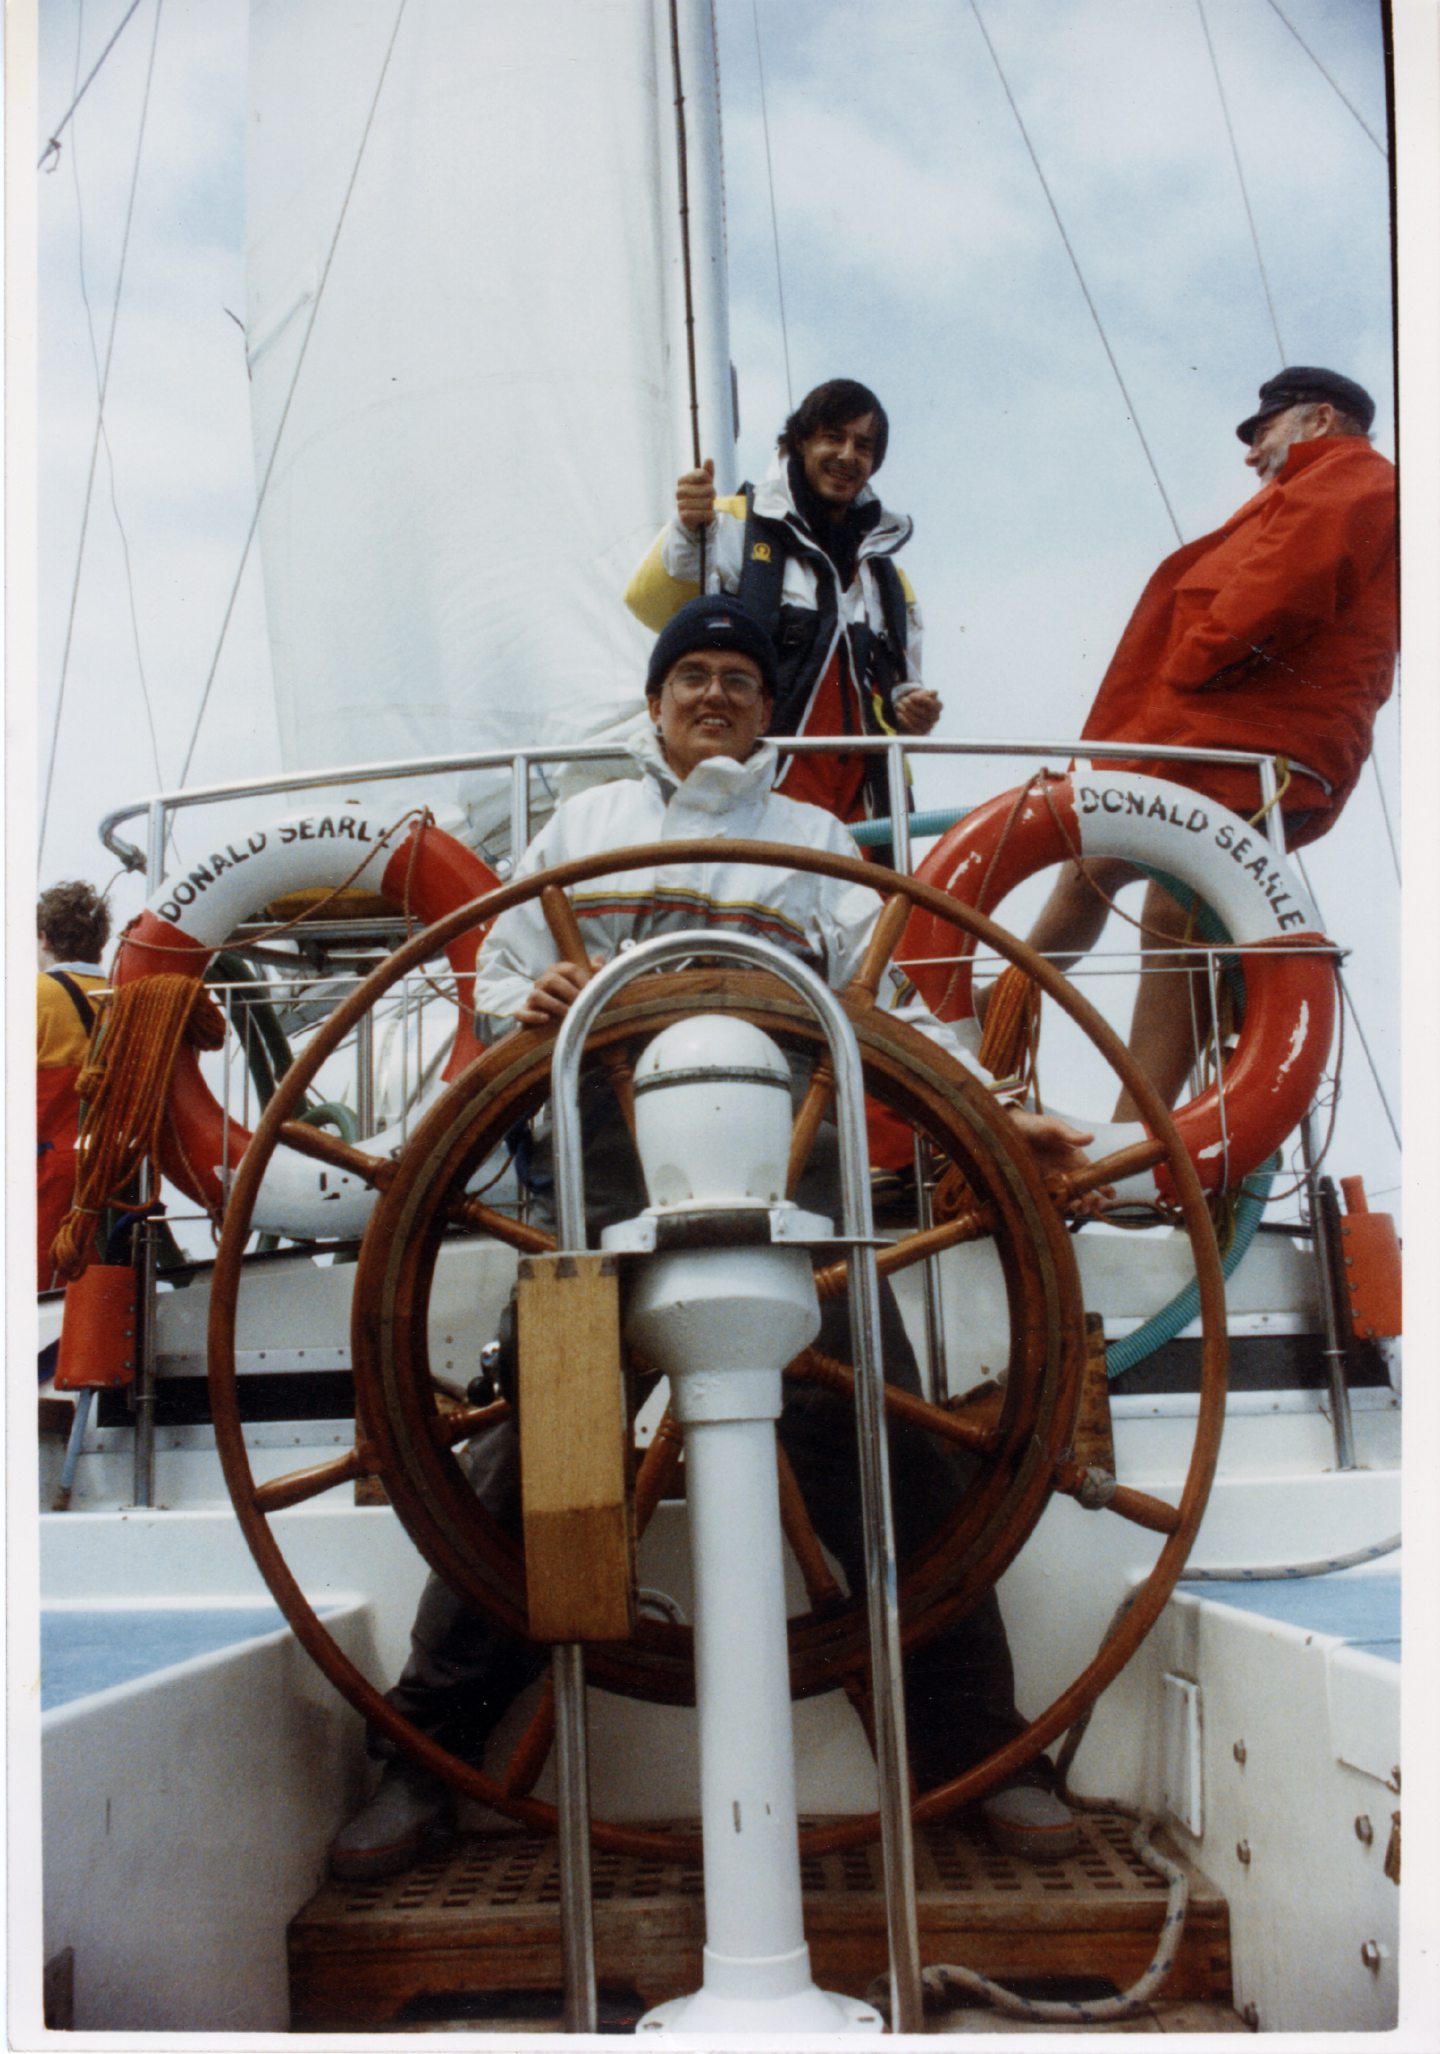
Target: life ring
(417, 865)
(1271, 1076)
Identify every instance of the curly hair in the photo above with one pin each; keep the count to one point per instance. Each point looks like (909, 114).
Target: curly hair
(73, 921)
(831, 405)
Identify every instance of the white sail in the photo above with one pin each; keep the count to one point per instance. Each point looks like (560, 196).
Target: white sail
(476, 454)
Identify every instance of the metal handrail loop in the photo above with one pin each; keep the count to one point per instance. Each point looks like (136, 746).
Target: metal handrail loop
(883, 1596)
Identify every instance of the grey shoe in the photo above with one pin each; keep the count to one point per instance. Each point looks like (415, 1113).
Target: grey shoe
(1030, 1822)
(411, 1813)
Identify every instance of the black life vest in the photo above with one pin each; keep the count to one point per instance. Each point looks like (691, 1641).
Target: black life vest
(802, 634)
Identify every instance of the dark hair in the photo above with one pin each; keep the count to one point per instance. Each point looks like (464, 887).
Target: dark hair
(73, 921)
(831, 405)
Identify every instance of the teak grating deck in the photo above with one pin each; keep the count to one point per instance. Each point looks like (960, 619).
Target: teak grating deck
(484, 1918)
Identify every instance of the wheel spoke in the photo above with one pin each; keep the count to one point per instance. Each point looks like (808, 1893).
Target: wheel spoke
(450, 1428)
(1143, 1510)
(820, 1585)
(501, 1226)
(814, 1106)
(657, 1468)
(1111, 1169)
(374, 1170)
(860, 991)
(1101, 1493)
(281, 1492)
(532, 1749)
(864, 985)
(972, 1225)
(565, 932)
(814, 1368)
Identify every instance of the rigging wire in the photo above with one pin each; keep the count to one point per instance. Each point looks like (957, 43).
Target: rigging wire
(1240, 175)
(99, 430)
(52, 147)
(1330, 81)
(290, 395)
(1385, 816)
(774, 221)
(1353, 1011)
(110, 454)
(1075, 266)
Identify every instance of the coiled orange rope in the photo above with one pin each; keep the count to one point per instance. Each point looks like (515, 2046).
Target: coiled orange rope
(1008, 1049)
(1012, 1026)
(124, 1085)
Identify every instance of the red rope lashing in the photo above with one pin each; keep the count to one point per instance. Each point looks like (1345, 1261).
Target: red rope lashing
(138, 1033)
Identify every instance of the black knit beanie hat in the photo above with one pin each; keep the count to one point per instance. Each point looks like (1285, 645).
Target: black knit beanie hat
(711, 622)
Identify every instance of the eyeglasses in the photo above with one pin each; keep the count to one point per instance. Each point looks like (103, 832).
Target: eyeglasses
(690, 682)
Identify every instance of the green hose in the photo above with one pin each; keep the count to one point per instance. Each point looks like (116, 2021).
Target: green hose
(332, 1114)
(1164, 1325)
(870, 832)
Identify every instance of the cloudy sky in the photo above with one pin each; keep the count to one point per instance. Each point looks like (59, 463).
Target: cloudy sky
(917, 252)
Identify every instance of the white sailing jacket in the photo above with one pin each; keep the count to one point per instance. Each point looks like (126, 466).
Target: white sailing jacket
(824, 921)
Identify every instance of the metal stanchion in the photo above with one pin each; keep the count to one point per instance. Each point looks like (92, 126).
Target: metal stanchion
(365, 1077)
(577, 1920)
(1324, 1237)
(144, 1394)
(934, 1375)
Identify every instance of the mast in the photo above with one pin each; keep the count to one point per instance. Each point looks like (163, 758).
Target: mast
(700, 309)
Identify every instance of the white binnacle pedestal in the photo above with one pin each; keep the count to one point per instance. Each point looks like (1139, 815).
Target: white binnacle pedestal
(722, 1323)
(710, 1319)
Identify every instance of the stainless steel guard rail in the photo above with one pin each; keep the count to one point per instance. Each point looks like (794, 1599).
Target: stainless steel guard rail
(158, 809)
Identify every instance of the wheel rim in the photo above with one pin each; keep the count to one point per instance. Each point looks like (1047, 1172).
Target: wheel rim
(391, 1394)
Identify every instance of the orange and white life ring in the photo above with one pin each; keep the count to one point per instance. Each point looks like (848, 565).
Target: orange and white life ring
(414, 863)
(1275, 1068)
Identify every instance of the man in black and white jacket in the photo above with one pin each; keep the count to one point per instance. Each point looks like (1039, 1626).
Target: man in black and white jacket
(810, 553)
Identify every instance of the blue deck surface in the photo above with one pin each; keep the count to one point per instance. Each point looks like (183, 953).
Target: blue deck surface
(82, 1652)
(1361, 1610)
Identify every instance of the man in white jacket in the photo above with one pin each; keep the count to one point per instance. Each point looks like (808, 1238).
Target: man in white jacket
(708, 773)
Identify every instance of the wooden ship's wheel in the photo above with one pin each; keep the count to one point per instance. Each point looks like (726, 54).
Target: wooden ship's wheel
(1019, 1447)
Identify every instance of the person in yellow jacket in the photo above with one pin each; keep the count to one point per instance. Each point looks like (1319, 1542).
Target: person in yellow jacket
(72, 924)
(809, 553)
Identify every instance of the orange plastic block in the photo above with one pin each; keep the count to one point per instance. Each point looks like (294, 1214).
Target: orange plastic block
(1370, 1248)
(98, 1334)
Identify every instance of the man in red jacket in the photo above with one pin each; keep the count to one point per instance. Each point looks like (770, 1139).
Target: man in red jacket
(1277, 633)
